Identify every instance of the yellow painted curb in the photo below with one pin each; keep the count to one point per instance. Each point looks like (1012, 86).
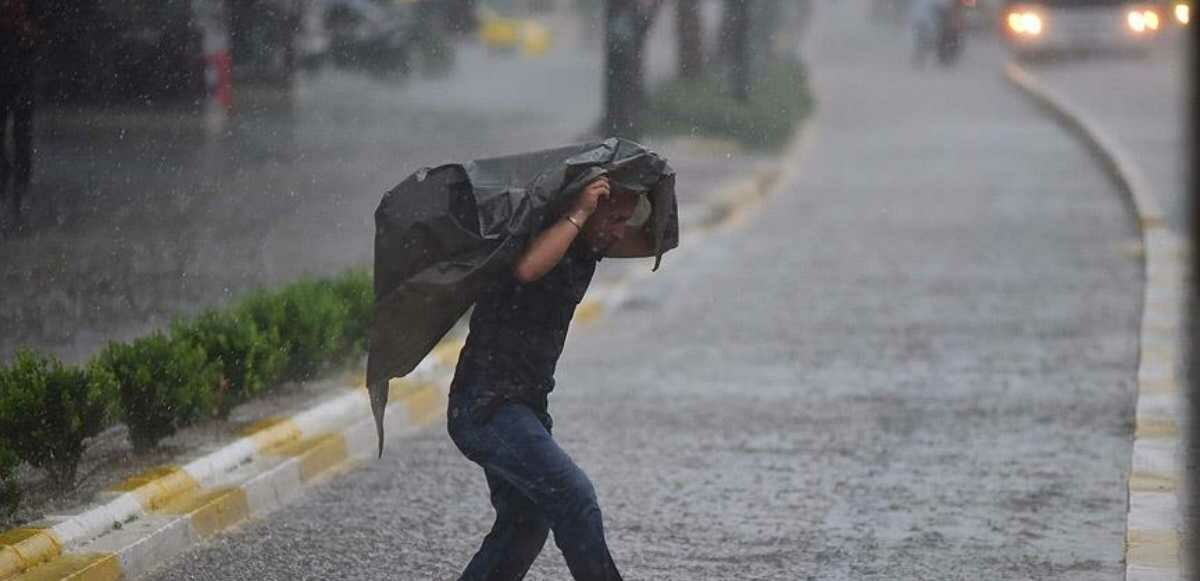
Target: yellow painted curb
(316, 455)
(535, 39)
(424, 404)
(1152, 548)
(77, 567)
(446, 352)
(1150, 222)
(271, 432)
(24, 548)
(498, 32)
(589, 311)
(1151, 482)
(400, 388)
(1168, 385)
(211, 511)
(1159, 428)
(157, 486)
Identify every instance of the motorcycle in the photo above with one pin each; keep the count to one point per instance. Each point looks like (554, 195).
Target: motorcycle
(940, 30)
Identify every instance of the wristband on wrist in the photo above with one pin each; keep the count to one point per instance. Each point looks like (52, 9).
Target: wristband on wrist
(574, 223)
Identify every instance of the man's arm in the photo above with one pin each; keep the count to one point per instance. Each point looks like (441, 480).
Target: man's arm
(549, 246)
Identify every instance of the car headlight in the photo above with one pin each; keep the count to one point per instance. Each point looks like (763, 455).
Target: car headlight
(1151, 18)
(1183, 13)
(1027, 23)
(1142, 20)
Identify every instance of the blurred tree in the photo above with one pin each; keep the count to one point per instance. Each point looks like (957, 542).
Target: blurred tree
(262, 35)
(626, 23)
(460, 16)
(735, 32)
(689, 27)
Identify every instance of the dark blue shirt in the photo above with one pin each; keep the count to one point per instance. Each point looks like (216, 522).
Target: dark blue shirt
(517, 334)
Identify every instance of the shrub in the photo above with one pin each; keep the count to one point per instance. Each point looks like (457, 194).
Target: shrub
(47, 410)
(10, 494)
(355, 290)
(249, 359)
(309, 318)
(779, 100)
(164, 383)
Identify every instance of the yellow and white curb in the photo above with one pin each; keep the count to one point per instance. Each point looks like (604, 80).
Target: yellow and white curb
(1155, 521)
(148, 519)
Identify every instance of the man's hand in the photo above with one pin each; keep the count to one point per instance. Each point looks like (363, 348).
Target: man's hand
(589, 199)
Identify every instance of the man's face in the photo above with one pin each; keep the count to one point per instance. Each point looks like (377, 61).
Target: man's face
(607, 225)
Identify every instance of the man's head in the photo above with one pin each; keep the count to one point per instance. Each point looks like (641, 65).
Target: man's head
(607, 225)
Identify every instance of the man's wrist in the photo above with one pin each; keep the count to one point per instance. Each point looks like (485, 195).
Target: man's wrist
(579, 215)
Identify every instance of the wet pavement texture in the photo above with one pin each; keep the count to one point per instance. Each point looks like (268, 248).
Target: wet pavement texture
(137, 218)
(1141, 102)
(915, 361)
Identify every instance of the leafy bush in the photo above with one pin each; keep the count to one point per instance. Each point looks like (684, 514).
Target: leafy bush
(779, 100)
(47, 410)
(164, 383)
(309, 317)
(10, 494)
(355, 290)
(249, 359)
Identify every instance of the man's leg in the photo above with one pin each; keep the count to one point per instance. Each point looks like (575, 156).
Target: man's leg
(515, 540)
(527, 457)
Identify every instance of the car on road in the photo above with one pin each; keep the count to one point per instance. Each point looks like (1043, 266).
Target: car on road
(1039, 27)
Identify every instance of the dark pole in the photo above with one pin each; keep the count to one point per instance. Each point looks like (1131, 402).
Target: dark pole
(689, 26)
(739, 45)
(626, 24)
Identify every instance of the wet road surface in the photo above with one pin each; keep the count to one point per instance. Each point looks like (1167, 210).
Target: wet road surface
(915, 361)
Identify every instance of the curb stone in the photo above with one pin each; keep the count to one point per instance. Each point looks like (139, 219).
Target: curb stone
(1154, 526)
(159, 514)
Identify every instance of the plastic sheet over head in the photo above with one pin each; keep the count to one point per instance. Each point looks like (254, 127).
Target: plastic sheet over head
(446, 232)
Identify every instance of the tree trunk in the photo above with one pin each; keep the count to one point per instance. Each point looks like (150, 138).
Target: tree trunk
(737, 27)
(689, 28)
(626, 25)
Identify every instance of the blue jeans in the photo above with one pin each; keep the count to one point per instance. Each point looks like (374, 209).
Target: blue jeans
(535, 487)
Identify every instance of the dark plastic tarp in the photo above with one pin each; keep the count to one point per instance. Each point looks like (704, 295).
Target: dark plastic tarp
(445, 232)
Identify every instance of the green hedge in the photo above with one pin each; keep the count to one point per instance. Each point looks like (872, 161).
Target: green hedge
(47, 410)
(248, 358)
(309, 318)
(779, 101)
(164, 383)
(201, 368)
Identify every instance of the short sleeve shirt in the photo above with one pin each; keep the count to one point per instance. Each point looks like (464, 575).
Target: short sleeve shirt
(518, 332)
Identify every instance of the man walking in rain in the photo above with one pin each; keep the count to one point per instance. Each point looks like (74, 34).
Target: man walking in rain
(498, 401)
(518, 237)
